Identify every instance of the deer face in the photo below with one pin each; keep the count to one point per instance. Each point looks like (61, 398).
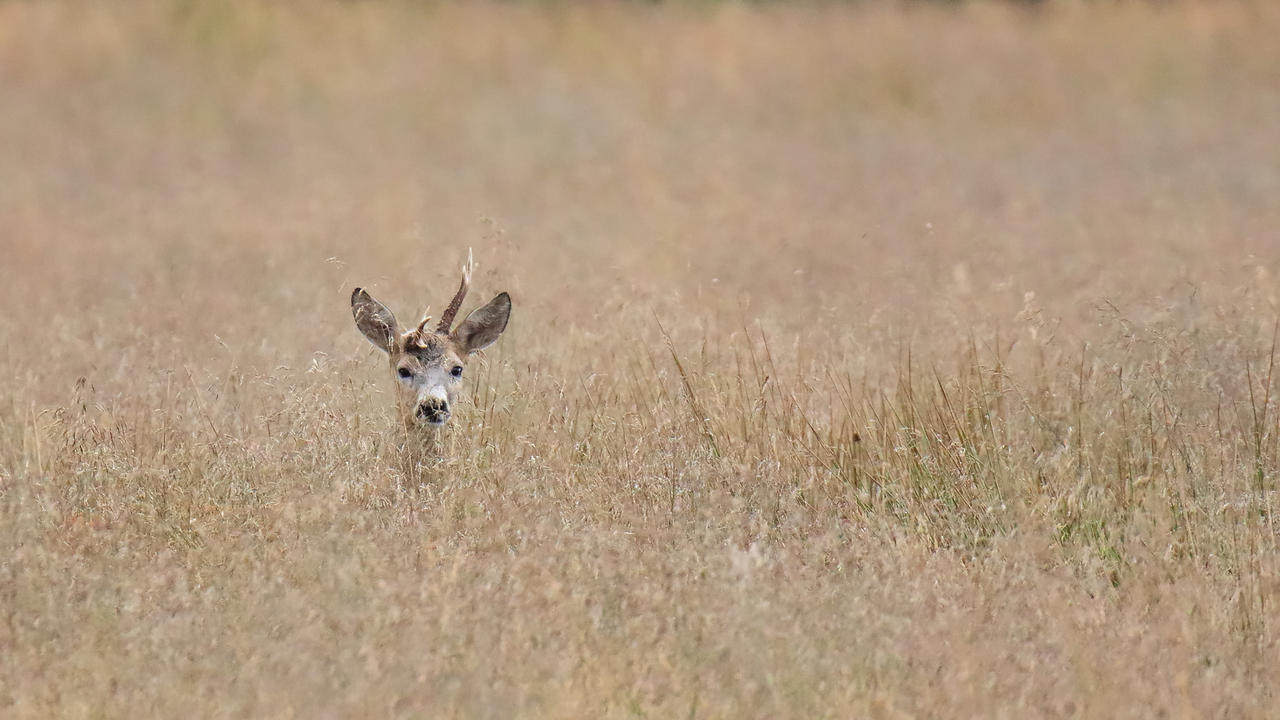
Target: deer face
(428, 365)
(428, 371)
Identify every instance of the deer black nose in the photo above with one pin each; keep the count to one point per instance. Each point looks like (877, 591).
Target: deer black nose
(433, 411)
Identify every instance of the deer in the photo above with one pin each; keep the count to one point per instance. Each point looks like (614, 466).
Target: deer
(427, 364)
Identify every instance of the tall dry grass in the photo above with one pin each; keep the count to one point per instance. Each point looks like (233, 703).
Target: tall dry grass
(867, 361)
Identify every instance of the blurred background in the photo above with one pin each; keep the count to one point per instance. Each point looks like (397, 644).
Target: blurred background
(186, 169)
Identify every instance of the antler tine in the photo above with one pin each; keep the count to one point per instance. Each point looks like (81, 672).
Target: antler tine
(446, 320)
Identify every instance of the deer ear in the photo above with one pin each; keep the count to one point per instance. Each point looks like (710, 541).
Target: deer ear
(483, 326)
(374, 320)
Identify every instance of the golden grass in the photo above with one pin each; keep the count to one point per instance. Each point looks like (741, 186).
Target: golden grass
(866, 361)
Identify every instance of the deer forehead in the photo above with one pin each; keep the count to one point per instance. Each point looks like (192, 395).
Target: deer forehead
(429, 348)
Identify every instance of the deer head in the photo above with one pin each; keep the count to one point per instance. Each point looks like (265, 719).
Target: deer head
(428, 364)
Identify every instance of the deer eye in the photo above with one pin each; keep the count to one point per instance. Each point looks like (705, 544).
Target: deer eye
(456, 371)
(405, 373)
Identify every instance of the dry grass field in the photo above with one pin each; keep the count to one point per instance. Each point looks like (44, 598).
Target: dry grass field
(867, 361)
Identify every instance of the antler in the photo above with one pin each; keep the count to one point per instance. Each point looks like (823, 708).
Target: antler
(446, 320)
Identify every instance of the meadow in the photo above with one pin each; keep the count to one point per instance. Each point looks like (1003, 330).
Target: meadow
(867, 360)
